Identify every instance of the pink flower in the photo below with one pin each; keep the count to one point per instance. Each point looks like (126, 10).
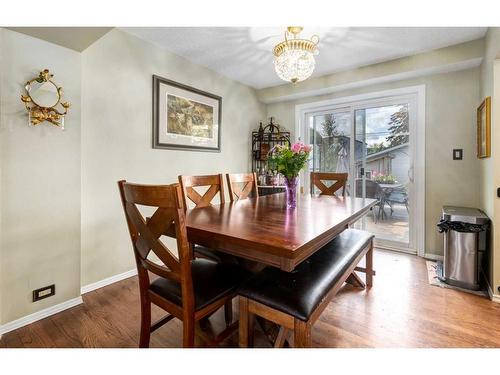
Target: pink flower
(297, 147)
(307, 148)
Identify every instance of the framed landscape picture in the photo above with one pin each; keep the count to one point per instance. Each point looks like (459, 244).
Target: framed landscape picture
(484, 129)
(185, 118)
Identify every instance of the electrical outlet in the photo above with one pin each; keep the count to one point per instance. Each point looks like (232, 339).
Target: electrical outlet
(44, 292)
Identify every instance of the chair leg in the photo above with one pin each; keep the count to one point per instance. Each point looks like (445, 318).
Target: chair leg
(369, 266)
(228, 312)
(145, 324)
(246, 332)
(374, 216)
(302, 334)
(188, 332)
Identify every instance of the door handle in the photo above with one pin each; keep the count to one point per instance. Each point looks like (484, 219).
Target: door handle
(410, 175)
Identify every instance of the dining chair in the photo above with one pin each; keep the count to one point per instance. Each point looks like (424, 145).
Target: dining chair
(318, 180)
(215, 187)
(188, 289)
(242, 185)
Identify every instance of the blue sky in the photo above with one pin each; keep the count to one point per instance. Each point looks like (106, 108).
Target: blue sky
(377, 123)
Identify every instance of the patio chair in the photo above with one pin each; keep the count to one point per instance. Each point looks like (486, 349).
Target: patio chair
(398, 195)
(373, 191)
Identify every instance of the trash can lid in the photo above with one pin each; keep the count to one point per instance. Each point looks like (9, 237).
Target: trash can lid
(465, 214)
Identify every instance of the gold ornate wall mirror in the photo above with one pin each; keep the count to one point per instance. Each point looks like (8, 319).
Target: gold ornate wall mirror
(41, 99)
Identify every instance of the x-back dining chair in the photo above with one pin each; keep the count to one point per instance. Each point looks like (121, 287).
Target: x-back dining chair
(318, 178)
(215, 184)
(242, 185)
(188, 289)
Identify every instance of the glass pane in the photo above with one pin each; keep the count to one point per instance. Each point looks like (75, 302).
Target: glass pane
(330, 137)
(382, 169)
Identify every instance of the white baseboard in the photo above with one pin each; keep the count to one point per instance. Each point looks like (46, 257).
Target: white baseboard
(108, 281)
(494, 297)
(431, 256)
(28, 319)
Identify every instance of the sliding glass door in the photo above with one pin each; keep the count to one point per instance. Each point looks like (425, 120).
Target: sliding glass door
(373, 141)
(383, 169)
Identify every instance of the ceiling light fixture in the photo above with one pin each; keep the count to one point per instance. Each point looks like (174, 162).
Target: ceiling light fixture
(294, 58)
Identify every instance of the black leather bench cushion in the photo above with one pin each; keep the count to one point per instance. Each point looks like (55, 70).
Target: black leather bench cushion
(211, 281)
(299, 292)
(215, 255)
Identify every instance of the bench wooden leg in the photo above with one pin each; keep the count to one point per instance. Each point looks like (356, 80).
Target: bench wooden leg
(246, 332)
(302, 334)
(369, 266)
(355, 280)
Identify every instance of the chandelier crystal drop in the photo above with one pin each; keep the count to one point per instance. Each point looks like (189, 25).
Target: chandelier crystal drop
(294, 58)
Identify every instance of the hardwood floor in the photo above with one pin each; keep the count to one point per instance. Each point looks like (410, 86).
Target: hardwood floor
(401, 310)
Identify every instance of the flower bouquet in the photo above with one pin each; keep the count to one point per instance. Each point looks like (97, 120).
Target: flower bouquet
(383, 179)
(289, 161)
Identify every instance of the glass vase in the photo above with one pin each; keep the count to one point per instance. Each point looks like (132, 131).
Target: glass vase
(291, 184)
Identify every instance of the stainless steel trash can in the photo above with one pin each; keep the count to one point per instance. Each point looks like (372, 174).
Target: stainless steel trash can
(465, 229)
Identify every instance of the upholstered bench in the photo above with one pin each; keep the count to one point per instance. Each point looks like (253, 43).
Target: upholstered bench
(296, 299)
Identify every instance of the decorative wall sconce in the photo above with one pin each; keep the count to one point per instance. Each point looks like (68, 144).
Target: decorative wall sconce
(43, 95)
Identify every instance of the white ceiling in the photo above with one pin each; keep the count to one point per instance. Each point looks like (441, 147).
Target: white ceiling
(244, 53)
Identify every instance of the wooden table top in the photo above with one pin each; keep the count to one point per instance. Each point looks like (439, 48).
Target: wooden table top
(264, 230)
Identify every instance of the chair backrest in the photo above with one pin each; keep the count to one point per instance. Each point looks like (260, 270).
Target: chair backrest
(168, 219)
(241, 185)
(373, 189)
(214, 182)
(318, 178)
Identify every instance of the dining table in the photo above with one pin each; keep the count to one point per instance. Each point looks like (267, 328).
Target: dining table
(264, 230)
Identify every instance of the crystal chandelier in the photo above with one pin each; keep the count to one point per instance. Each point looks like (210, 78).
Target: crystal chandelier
(294, 57)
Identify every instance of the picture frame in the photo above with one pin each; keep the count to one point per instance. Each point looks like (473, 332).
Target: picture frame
(185, 118)
(484, 129)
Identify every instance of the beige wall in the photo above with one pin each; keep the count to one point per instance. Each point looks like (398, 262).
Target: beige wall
(489, 167)
(39, 182)
(492, 47)
(451, 100)
(116, 139)
(457, 57)
(1, 197)
(61, 221)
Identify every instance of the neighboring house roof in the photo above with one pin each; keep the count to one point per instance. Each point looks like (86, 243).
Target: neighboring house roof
(383, 153)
